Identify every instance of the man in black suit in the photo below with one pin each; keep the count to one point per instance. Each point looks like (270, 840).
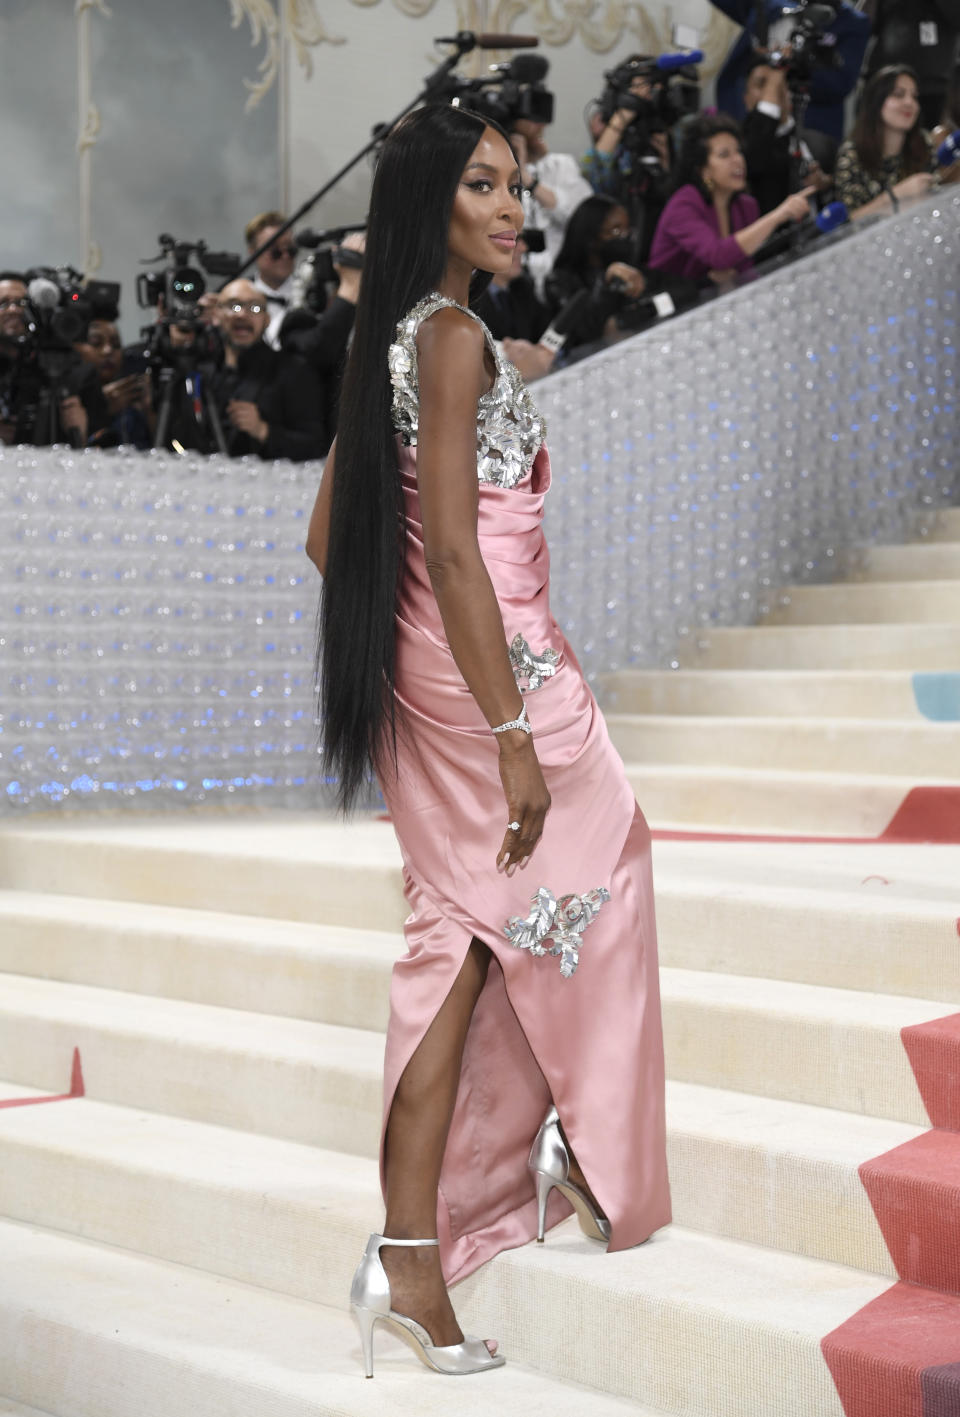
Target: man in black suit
(269, 401)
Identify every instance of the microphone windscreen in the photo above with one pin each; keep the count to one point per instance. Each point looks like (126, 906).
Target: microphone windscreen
(506, 41)
(43, 293)
(949, 149)
(833, 215)
(667, 62)
(529, 68)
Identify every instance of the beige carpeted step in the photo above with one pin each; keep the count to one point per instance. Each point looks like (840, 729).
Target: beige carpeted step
(947, 526)
(763, 800)
(315, 971)
(837, 915)
(689, 1322)
(247, 1206)
(769, 693)
(903, 646)
(96, 1332)
(876, 747)
(917, 561)
(867, 602)
(321, 1083)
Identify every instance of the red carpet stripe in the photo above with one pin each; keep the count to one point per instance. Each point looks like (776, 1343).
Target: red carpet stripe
(76, 1088)
(900, 1356)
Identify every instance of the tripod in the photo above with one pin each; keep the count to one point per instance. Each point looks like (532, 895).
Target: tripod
(174, 377)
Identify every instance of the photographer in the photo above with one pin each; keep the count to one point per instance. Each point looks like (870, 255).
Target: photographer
(595, 268)
(127, 395)
(274, 269)
(828, 80)
(711, 226)
(321, 339)
(888, 157)
(924, 35)
(631, 155)
(554, 187)
(43, 383)
(778, 160)
(267, 399)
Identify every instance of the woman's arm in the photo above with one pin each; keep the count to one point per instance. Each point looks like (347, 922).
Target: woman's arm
(452, 377)
(793, 208)
(318, 531)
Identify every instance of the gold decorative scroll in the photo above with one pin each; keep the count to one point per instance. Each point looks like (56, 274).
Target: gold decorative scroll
(297, 19)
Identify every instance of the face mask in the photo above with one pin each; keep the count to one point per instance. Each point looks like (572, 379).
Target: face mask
(617, 248)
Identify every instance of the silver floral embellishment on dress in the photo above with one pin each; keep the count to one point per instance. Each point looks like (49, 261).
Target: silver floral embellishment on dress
(555, 927)
(510, 428)
(531, 669)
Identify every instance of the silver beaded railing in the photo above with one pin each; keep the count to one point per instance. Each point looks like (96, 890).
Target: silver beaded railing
(157, 619)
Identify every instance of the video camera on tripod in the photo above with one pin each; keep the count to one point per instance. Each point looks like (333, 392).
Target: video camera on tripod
(59, 306)
(183, 350)
(507, 92)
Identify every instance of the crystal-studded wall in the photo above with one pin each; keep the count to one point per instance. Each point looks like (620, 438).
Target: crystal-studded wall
(755, 442)
(157, 613)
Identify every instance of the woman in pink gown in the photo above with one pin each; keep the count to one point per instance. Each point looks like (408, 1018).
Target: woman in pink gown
(530, 977)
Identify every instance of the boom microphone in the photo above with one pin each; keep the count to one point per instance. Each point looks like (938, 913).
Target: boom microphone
(466, 40)
(666, 63)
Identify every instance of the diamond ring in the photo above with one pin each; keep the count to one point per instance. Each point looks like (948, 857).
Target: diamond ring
(513, 826)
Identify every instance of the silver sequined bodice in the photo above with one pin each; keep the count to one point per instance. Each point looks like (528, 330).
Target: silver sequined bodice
(509, 427)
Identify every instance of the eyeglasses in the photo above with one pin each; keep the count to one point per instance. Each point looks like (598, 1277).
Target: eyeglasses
(242, 307)
(20, 304)
(280, 253)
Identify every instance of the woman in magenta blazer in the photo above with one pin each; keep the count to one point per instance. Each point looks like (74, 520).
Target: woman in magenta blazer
(711, 226)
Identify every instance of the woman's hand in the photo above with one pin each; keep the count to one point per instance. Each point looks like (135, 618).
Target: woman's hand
(127, 392)
(794, 207)
(527, 798)
(918, 184)
(633, 282)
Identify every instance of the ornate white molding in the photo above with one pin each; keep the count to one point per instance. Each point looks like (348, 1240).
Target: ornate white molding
(88, 131)
(297, 22)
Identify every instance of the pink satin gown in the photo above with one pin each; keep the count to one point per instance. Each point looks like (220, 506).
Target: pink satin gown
(581, 1025)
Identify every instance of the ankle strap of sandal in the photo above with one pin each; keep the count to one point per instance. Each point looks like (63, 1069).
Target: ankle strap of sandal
(385, 1240)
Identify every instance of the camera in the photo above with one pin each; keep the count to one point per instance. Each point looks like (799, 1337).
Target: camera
(317, 270)
(810, 44)
(180, 285)
(674, 94)
(62, 305)
(510, 91)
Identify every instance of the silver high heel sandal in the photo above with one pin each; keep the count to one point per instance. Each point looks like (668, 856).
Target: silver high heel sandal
(550, 1164)
(370, 1304)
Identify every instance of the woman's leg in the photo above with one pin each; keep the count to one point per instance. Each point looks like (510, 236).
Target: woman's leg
(416, 1136)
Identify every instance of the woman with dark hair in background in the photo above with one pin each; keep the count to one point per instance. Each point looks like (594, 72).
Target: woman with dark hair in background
(523, 1001)
(711, 226)
(597, 259)
(888, 158)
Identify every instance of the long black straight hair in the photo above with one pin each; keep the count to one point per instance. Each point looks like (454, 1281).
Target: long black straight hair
(420, 166)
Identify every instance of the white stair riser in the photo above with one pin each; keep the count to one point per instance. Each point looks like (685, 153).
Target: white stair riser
(828, 1063)
(914, 647)
(334, 985)
(280, 1097)
(726, 799)
(763, 693)
(808, 941)
(867, 603)
(930, 750)
(755, 1193)
(332, 893)
(947, 527)
(920, 561)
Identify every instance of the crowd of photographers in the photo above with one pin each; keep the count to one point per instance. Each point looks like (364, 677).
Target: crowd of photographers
(668, 206)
